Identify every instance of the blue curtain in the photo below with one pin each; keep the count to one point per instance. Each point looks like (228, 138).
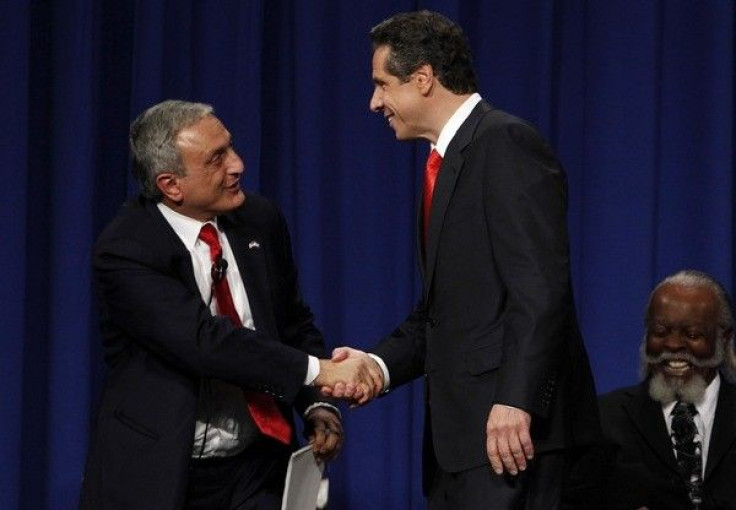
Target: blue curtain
(637, 97)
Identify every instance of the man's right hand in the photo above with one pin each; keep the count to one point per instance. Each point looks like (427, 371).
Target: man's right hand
(351, 374)
(508, 441)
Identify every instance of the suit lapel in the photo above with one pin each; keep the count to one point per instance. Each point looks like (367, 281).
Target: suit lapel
(724, 426)
(181, 260)
(249, 251)
(452, 165)
(646, 415)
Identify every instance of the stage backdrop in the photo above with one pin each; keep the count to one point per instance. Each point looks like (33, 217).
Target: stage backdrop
(636, 95)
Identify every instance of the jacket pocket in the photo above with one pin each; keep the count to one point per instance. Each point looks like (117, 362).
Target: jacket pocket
(486, 357)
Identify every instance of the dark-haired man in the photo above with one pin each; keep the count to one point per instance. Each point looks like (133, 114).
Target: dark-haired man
(509, 388)
(208, 342)
(671, 440)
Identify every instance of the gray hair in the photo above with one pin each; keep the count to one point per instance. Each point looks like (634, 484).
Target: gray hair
(694, 279)
(153, 141)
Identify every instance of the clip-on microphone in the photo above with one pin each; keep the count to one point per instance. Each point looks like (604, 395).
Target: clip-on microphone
(219, 267)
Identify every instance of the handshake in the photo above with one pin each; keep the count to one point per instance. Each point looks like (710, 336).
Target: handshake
(351, 375)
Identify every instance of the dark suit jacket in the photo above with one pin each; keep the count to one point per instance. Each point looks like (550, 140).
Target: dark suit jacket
(496, 323)
(641, 469)
(162, 342)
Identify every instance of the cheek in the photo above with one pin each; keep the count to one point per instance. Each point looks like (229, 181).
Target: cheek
(388, 102)
(654, 346)
(211, 184)
(396, 102)
(703, 350)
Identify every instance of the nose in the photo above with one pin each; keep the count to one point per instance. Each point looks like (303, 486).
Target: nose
(675, 341)
(376, 103)
(235, 165)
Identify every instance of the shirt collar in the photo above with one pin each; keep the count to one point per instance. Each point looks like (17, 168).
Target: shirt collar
(185, 227)
(707, 407)
(452, 125)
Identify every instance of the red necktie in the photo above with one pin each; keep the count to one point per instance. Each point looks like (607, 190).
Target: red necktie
(263, 408)
(434, 161)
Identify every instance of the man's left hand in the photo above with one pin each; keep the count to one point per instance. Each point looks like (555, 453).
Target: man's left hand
(508, 442)
(324, 432)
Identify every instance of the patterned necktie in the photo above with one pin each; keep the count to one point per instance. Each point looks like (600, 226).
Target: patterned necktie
(431, 169)
(688, 450)
(262, 408)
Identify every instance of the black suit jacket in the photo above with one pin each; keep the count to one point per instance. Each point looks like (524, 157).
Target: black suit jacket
(162, 342)
(641, 469)
(496, 323)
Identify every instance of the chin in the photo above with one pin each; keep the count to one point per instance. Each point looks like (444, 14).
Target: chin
(238, 199)
(232, 203)
(401, 134)
(666, 389)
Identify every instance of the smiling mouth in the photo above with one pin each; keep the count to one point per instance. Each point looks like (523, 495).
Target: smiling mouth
(676, 367)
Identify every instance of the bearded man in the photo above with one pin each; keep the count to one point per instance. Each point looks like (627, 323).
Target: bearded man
(671, 440)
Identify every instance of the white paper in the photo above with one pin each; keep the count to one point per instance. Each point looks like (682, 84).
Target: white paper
(303, 477)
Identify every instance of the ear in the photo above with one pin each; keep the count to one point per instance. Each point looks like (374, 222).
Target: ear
(424, 78)
(168, 184)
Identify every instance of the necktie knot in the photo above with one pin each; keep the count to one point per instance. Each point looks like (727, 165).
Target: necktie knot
(683, 424)
(683, 408)
(434, 160)
(209, 236)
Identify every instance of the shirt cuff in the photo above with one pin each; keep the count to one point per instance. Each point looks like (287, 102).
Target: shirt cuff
(312, 370)
(323, 404)
(384, 369)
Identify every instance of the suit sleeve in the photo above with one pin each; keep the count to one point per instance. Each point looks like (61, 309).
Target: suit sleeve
(525, 203)
(404, 349)
(146, 303)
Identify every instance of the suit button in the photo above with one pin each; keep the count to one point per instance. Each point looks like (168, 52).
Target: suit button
(431, 322)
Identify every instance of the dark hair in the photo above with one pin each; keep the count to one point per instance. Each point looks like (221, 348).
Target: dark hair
(425, 37)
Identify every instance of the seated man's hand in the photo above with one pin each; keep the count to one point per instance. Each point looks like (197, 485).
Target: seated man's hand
(323, 429)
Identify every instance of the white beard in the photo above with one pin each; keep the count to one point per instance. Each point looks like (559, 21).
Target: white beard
(666, 390)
